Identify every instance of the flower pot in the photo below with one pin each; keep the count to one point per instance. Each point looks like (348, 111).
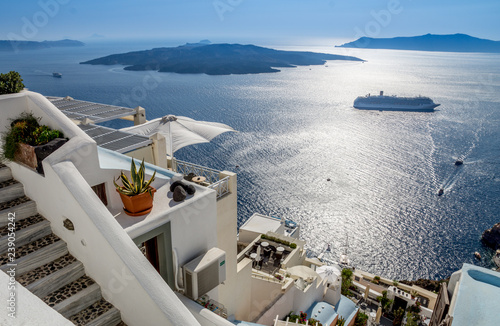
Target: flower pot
(26, 154)
(139, 204)
(33, 156)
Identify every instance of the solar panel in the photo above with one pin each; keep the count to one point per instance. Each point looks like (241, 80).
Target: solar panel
(109, 138)
(79, 110)
(115, 140)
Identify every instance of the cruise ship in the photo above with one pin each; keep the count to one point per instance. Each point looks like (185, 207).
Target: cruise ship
(394, 103)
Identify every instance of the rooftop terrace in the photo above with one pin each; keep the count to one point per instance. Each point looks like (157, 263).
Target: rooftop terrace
(478, 297)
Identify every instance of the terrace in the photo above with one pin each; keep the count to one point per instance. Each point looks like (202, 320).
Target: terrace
(210, 178)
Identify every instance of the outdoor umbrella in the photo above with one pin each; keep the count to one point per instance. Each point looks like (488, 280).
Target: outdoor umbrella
(367, 292)
(301, 271)
(379, 314)
(180, 131)
(258, 258)
(329, 273)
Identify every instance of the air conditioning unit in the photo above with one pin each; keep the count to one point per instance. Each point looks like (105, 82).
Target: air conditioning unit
(204, 273)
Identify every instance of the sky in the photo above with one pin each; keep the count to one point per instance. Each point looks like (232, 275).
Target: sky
(267, 21)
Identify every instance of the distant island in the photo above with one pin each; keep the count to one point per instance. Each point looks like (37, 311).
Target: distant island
(216, 59)
(11, 46)
(428, 42)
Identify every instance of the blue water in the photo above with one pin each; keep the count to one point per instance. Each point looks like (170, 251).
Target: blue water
(297, 128)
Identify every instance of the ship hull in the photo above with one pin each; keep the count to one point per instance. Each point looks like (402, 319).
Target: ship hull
(422, 108)
(394, 103)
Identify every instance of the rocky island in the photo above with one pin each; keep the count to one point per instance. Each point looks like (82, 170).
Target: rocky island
(491, 237)
(216, 59)
(12, 45)
(428, 42)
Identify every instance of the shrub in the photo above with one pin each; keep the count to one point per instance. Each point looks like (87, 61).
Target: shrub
(385, 301)
(398, 317)
(26, 129)
(286, 243)
(361, 319)
(415, 308)
(11, 82)
(346, 281)
(301, 319)
(412, 319)
(314, 322)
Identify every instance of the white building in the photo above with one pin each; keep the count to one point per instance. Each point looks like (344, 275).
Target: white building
(78, 252)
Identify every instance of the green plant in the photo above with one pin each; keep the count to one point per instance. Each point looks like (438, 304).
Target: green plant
(11, 82)
(398, 317)
(385, 301)
(292, 317)
(361, 319)
(137, 185)
(412, 319)
(26, 129)
(376, 280)
(415, 308)
(341, 321)
(395, 283)
(314, 322)
(301, 319)
(346, 281)
(286, 243)
(43, 134)
(414, 293)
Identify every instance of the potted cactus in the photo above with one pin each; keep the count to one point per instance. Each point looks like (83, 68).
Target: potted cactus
(136, 193)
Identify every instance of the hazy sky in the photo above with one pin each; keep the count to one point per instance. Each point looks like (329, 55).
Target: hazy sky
(293, 21)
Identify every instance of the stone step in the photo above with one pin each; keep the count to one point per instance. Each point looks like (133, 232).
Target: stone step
(5, 173)
(45, 270)
(99, 313)
(111, 317)
(10, 191)
(38, 258)
(79, 301)
(26, 235)
(17, 210)
(57, 280)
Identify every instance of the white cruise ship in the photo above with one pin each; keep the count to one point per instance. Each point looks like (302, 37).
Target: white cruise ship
(394, 103)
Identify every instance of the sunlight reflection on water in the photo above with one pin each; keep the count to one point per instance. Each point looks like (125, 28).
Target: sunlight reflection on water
(298, 128)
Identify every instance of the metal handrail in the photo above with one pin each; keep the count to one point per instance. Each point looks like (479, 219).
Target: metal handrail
(221, 186)
(211, 175)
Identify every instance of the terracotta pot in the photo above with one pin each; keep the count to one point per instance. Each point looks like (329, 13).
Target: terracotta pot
(139, 204)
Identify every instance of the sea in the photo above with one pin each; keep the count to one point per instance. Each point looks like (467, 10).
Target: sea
(368, 179)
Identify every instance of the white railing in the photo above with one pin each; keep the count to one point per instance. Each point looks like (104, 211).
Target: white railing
(268, 278)
(221, 186)
(211, 175)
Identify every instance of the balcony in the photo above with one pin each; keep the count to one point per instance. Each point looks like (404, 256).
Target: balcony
(213, 179)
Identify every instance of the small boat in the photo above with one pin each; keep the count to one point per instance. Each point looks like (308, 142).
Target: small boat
(477, 255)
(440, 192)
(56, 75)
(459, 162)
